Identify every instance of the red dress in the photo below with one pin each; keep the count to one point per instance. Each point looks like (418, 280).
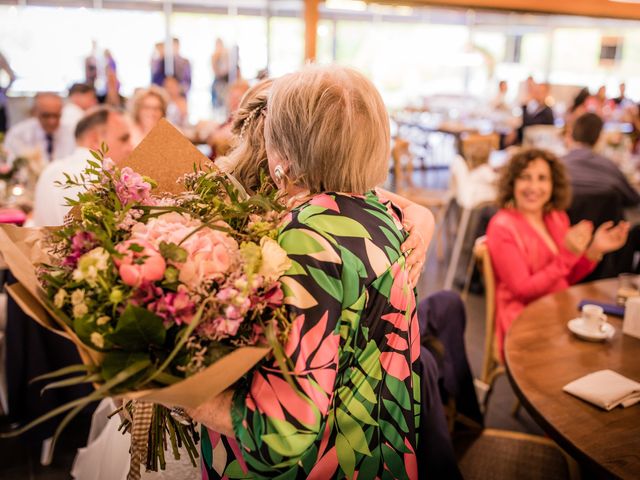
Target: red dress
(525, 268)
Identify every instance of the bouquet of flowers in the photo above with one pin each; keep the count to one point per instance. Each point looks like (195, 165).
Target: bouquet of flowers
(158, 289)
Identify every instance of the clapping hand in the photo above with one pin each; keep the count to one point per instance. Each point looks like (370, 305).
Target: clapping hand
(608, 238)
(578, 236)
(420, 224)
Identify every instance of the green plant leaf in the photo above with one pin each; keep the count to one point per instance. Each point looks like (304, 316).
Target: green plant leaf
(346, 455)
(396, 414)
(338, 226)
(291, 445)
(399, 391)
(352, 431)
(115, 362)
(138, 329)
(355, 407)
(173, 252)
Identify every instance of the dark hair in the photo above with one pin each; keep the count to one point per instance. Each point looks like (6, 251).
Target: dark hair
(587, 128)
(580, 98)
(96, 117)
(81, 88)
(561, 190)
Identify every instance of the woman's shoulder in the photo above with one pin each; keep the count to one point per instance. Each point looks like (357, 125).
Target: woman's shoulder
(504, 218)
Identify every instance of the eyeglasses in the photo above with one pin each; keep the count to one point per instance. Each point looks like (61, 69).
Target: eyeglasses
(49, 115)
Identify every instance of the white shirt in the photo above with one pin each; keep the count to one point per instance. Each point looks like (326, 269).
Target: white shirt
(71, 115)
(28, 136)
(50, 207)
(473, 187)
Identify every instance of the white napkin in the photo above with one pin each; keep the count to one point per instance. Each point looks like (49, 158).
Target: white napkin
(605, 389)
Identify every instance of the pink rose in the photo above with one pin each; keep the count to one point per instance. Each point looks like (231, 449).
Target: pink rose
(138, 267)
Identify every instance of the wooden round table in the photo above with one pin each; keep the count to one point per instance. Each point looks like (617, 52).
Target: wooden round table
(542, 356)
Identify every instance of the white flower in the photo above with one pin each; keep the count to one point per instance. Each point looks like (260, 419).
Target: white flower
(97, 339)
(59, 298)
(274, 259)
(77, 297)
(102, 320)
(90, 265)
(80, 310)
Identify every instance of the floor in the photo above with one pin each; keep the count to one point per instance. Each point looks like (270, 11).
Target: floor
(20, 460)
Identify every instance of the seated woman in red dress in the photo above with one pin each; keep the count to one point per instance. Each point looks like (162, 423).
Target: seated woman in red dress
(533, 248)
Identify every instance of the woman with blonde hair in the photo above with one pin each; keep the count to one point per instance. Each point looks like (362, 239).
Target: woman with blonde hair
(353, 403)
(147, 107)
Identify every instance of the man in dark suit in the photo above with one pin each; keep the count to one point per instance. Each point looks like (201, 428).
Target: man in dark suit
(536, 111)
(590, 171)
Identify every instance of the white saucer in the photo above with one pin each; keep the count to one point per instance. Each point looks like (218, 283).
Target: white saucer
(578, 327)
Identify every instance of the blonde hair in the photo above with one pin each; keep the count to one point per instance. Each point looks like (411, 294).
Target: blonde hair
(141, 94)
(331, 125)
(249, 157)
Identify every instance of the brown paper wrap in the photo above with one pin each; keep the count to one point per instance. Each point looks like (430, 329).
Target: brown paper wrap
(164, 155)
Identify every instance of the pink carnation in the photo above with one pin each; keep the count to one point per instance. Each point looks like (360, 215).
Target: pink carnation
(136, 268)
(131, 187)
(174, 307)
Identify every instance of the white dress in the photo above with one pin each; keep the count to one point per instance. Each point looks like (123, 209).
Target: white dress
(106, 456)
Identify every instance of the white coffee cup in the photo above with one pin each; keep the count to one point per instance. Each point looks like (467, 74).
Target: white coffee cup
(593, 317)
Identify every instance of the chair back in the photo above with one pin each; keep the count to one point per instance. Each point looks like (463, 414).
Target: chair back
(491, 358)
(476, 148)
(402, 160)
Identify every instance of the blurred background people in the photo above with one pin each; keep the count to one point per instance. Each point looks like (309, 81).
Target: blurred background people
(43, 134)
(148, 106)
(81, 98)
(220, 67)
(102, 124)
(499, 102)
(177, 108)
(11, 76)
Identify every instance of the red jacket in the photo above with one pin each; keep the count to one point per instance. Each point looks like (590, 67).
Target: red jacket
(525, 268)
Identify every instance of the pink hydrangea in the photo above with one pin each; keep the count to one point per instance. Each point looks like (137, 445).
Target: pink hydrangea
(131, 187)
(138, 267)
(210, 253)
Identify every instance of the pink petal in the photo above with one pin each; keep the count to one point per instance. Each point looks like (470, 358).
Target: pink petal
(297, 406)
(326, 466)
(326, 201)
(396, 342)
(395, 364)
(310, 342)
(327, 353)
(265, 397)
(398, 320)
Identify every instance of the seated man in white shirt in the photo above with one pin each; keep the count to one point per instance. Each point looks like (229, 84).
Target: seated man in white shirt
(103, 124)
(42, 135)
(81, 98)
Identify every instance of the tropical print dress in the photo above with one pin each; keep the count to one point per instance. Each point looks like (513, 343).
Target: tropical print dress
(355, 347)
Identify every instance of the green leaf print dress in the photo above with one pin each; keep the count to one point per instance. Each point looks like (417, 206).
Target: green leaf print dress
(354, 345)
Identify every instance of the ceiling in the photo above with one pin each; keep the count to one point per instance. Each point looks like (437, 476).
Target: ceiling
(626, 9)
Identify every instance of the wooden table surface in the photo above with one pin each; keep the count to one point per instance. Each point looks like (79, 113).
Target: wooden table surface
(542, 356)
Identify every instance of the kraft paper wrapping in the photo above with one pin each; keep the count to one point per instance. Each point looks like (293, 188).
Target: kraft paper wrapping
(164, 155)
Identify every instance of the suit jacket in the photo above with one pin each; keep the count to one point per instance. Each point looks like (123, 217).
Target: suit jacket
(543, 115)
(591, 172)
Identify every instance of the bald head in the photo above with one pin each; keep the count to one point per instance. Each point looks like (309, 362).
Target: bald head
(48, 110)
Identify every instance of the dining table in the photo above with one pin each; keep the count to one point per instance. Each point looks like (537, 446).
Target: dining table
(542, 355)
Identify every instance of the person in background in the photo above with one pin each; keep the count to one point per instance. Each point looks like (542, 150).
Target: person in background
(109, 61)
(148, 106)
(598, 103)
(589, 171)
(220, 66)
(221, 139)
(8, 71)
(181, 68)
(177, 108)
(157, 64)
(91, 65)
(578, 108)
(499, 102)
(534, 250)
(111, 95)
(102, 124)
(43, 134)
(536, 111)
(81, 98)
